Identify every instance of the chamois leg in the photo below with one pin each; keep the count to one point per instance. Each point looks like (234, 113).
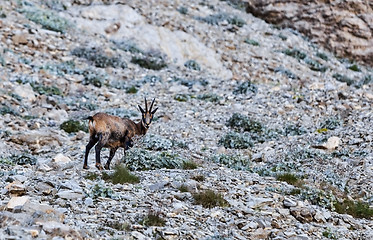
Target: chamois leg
(91, 143)
(102, 139)
(111, 155)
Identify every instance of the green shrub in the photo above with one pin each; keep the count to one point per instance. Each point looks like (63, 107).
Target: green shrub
(183, 188)
(343, 78)
(355, 68)
(152, 79)
(289, 178)
(293, 130)
(286, 72)
(150, 60)
(98, 57)
(315, 65)
(251, 42)
(99, 190)
(354, 208)
(48, 19)
(318, 197)
(8, 110)
(121, 175)
(282, 37)
(46, 90)
(2, 61)
(71, 126)
(216, 19)
(323, 56)
(153, 219)
(209, 199)
(237, 162)
(22, 159)
(242, 123)
(193, 65)
(63, 68)
(183, 10)
(156, 142)
(245, 88)
(129, 46)
(295, 53)
(330, 123)
(139, 159)
(210, 97)
(93, 77)
(329, 234)
(132, 90)
(236, 140)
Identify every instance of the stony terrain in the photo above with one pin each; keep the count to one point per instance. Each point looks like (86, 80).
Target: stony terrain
(344, 27)
(278, 127)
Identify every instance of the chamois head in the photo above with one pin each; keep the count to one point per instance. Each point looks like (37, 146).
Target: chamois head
(147, 115)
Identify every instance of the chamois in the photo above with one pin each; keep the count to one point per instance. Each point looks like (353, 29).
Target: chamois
(113, 132)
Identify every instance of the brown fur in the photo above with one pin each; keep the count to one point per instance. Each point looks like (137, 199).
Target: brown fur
(108, 131)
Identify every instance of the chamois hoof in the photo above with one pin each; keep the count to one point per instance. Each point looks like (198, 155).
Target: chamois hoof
(85, 167)
(107, 167)
(99, 166)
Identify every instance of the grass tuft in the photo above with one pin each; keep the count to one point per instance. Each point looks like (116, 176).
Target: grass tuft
(289, 178)
(121, 175)
(189, 165)
(153, 219)
(354, 208)
(210, 199)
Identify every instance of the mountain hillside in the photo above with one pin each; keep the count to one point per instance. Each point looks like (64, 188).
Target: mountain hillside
(259, 134)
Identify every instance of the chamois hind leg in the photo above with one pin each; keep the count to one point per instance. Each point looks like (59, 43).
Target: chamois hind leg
(102, 139)
(91, 143)
(112, 153)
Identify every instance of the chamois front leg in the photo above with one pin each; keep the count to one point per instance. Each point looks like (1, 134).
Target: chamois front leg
(111, 155)
(102, 139)
(91, 143)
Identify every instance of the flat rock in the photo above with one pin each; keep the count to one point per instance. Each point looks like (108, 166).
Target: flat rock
(17, 202)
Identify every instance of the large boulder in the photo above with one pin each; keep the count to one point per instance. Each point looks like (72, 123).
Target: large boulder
(344, 27)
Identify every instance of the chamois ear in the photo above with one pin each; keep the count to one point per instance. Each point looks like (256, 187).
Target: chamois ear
(141, 110)
(154, 111)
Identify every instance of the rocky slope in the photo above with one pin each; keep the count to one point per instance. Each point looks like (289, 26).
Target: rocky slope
(280, 129)
(343, 27)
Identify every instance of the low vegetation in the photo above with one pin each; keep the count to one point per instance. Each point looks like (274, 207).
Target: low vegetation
(98, 58)
(153, 219)
(193, 65)
(138, 159)
(121, 175)
(48, 19)
(71, 126)
(237, 162)
(209, 199)
(100, 190)
(354, 208)
(216, 19)
(150, 60)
